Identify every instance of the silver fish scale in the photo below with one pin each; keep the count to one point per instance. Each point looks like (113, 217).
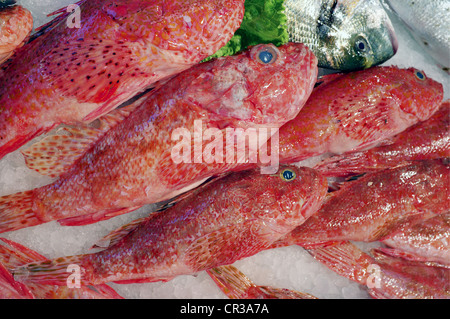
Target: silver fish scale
(330, 29)
(429, 21)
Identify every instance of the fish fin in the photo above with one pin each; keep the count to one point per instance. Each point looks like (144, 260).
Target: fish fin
(212, 249)
(16, 212)
(50, 272)
(231, 281)
(116, 235)
(97, 72)
(16, 254)
(345, 259)
(96, 217)
(12, 289)
(56, 154)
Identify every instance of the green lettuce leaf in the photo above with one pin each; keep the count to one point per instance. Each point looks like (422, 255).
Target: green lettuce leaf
(263, 22)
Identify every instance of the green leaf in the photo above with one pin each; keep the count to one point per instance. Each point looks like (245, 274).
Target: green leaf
(264, 22)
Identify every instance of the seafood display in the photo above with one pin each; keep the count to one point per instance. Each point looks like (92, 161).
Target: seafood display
(71, 75)
(171, 149)
(219, 93)
(345, 35)
(217, 224)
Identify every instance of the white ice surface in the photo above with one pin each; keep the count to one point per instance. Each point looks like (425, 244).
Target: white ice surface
(289, 267)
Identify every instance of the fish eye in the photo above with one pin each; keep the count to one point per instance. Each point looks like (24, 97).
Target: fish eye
(266, 55)
(361, 44)
(288, 175)
(419, 75)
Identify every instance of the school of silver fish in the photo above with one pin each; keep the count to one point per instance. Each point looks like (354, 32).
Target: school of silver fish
(379, 136)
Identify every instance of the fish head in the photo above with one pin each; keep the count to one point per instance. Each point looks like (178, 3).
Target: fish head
(361, 36)
(419, 96)
(260, 87)
(282, 200)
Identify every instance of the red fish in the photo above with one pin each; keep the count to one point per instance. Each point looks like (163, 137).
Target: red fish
(353, 111)
(385, 276)
(14, 255)
(429, 139)
(128, 160)
(16, 24)
(377, 205)
(428, 241)
(217, 224)
(71, 75)
(237, 285)
(10, 288)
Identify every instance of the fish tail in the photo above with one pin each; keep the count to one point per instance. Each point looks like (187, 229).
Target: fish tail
(345, 259)
(16, 212)
(63, 271)
(231, 281)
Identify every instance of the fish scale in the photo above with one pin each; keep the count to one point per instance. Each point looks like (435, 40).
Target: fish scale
(334, 29)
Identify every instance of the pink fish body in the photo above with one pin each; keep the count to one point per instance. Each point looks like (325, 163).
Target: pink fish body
(128, 161)
(384, 276)
(429, 139)
(16, 24)
(377, 205)
(218, 224)
(13, 255)
(76, 74)
(428, 241)
(353, 111)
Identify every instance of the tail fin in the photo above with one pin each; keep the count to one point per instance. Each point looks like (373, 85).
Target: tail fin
(52, 272)
(231, 281)
(345, 259)
(236, 285)
(16, 212)
(15, 255)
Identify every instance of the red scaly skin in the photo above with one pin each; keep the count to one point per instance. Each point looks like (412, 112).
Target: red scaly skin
(232, 218)
(386, 277)
(353, 111)
(16, 24)
(376, 205)
(71, 75)
(131, 164)
(429, 139)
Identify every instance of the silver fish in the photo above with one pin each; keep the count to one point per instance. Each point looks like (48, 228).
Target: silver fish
(429, 21)
(5, 3)
(343, 34)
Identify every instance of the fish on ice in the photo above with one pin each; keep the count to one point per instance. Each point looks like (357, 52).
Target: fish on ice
(129, 159)
(72, 75)
(217, 224)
